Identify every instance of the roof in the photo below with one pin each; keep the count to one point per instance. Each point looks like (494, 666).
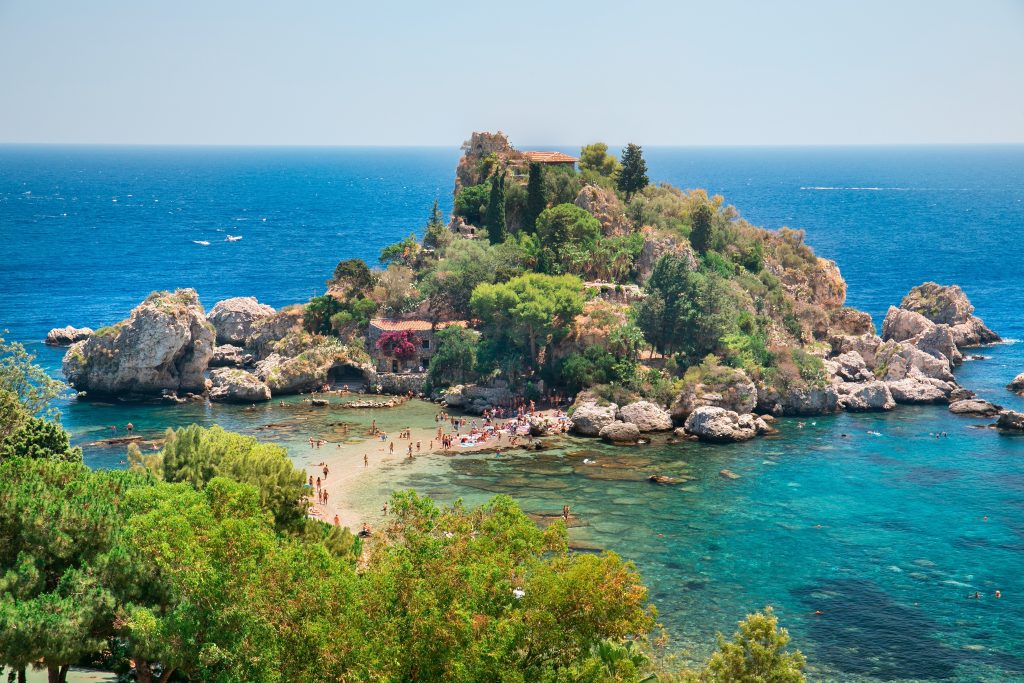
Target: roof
(388, 325)
(549, 158)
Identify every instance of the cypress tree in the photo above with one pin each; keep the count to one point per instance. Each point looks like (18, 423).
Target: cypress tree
(535, 200)
(702, 231)
(494, 219)
(633, 175)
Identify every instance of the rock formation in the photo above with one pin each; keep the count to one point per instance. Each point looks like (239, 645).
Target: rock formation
(165, 345)
(589, 416)
(620, 433)
(647, 416)
(974, 407)
(1016, 385)
(266, 332)
(234, 318)
(948, 305)
(66, 336)
(229, 356)
(718, 425)
(1010, 421)
(231, 385)
(605, 207)
(727, 388)
(872, 396)
(310, 369)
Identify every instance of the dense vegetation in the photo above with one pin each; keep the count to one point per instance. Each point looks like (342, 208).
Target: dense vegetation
(200, 564)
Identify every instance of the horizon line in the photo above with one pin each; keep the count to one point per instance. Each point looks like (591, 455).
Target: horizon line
(520, 147)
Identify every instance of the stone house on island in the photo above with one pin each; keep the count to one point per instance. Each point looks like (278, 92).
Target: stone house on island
(422, 333)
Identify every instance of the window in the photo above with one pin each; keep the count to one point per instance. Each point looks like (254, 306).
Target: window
(426, 343)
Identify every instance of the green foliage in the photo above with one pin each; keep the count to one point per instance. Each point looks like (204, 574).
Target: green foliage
(436, 235)
(811, 367)
(611, 259)
(20, 375)
(561, 185)
(195, 455)
(757, 653)
(316, 316)
(593, 366)
(596, 158)
(454, 359)
(535, 308)
(403, 253)
(38, 438)
(536, 198)
(564, 232)
(702, 228)
(494, 218)
(353, 317)
(352, 276)
(465, 264)
(395, 291)
(633, 174)
(471, 203)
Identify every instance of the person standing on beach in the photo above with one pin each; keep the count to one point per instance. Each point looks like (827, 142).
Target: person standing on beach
(325, 472)
(366, 460)
(565, 513)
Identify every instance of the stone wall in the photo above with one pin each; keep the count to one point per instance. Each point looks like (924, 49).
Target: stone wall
(399, 383)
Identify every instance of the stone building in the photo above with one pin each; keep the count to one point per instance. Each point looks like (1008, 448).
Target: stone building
(424, 333)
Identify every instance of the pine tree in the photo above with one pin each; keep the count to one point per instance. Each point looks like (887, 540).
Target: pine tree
(535, 200)
(494, 219)
(702, 230)
(633, 175)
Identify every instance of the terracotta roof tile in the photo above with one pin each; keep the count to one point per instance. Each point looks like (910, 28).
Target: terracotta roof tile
(550, 157)
(388, 325)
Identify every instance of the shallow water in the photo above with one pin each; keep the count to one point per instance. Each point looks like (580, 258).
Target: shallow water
(885, 535)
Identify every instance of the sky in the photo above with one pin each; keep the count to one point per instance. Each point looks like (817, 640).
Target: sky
(557, 72)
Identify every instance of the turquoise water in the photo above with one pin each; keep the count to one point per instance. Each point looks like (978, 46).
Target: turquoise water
(885, 535)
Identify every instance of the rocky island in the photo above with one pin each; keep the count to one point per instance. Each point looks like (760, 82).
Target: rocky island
(643, 308)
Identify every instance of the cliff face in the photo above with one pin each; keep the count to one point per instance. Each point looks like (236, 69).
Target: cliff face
(165, 345)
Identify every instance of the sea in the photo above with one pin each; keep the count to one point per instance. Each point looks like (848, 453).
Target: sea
(868, 534)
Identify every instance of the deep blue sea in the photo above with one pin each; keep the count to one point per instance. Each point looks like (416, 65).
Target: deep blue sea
(886, 532)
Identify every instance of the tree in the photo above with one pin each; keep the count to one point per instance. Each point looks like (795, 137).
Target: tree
(757, 653)
(404, 252)
(596, 158)
(19, 374)
(633, 174)
(466, 264)
(454, 359)
(316, 316)
(565, 230)
(471, 203)
(396, 289)
(702, 230)
(533, 307)
(39, 438)
(494, 219)
(401, 344)
(351, 276)
(536, 201)
(436, 235)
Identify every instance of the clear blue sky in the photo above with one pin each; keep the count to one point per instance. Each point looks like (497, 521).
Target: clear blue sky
(427, 72)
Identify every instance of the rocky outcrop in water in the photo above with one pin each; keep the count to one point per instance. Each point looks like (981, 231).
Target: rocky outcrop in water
(66, 336)
(230, 385)
(727, 388)
(234, 318)
(647, 416)
(718, 425)
(165, 345)
(621, 433)
(974, 407)
(1016, 385)
(948, 305)
(868, 397)
(310, 369)
(1011, 421)
(799, 401)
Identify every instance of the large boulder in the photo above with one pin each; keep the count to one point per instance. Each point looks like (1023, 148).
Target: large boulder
(948, 305)
(647, 416)
(850, 367)
(920, 390)
(914, 329)
(66, 336)
(718, 425)
(231, 385)
(657, 245)
(589, 416)
(620, 433)
(798, 401)
(898, 360)
(721, 387)
(164, 346)
(872, 396)
(1016, 385)
(901, 324)
(850, 321)
(234, 318)
(605, 207)
(1011, 421)
(974, 407)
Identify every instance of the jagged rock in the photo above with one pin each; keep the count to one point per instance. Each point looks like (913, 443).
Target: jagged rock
(901, 324)
(960, 394)
(319, 402)
(588, 417)
(234, 318)
(1017, 385)
(975, 407)
(647, 416)
(1011, 421)
(948, 305)
(852, 368)
(620, 433)
(231, 385)
(542, 426)
(920, 390)
(718, 425)
(865, 346)
(898, 360)
(916, 330)
(266, 332)
(729, 388)
(229, 356)
(939, 342)
(850, 321)
(605, 207)
(798, 401)
(165, 345)
(66, 336)
(873, 396)
(310, 369)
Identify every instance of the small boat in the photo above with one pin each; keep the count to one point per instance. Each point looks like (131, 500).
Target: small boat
(202, 242)
(232, 238)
